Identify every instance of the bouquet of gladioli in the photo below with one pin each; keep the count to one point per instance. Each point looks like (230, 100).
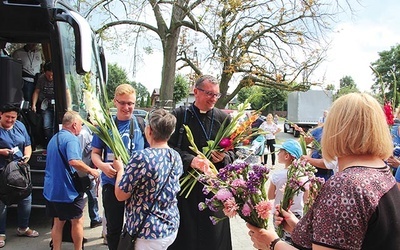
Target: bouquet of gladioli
(300, 175)
(239, 189)
(105, 127)
(228, 137)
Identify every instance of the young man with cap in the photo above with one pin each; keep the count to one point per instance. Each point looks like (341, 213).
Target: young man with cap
(289, 151)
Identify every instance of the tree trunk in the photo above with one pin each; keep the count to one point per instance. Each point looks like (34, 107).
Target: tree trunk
(168, 71)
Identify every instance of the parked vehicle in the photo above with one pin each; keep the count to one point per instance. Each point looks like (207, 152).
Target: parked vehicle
(140, 112)
(305, 109)
(67, 40)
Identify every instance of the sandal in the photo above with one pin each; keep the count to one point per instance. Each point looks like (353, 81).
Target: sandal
(27, 232)
(2, 240)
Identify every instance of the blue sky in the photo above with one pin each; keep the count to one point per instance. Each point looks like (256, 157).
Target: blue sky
(357, 38)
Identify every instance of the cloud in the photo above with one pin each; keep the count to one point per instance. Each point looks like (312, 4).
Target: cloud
(356, 44)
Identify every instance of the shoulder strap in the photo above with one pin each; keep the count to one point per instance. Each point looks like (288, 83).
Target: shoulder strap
(152, 205)
(140, 121)
(182, 129)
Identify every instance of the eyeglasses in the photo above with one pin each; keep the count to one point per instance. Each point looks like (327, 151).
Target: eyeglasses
(209, 93)
(130, 104)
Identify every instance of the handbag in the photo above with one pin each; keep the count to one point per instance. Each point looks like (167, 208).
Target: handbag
(82, 183)
(127, 241)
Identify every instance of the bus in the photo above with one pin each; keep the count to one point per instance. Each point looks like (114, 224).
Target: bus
(68, 42)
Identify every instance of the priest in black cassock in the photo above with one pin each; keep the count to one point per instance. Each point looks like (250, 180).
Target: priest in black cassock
(196, 230)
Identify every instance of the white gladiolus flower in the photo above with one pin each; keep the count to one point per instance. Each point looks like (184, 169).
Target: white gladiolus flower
(93, 106)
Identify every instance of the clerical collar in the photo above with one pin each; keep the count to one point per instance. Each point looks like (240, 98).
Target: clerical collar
(200, 111)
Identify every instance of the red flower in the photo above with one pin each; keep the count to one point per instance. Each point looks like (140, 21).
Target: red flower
(387, 108)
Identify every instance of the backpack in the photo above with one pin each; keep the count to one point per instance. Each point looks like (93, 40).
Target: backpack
(15, 182)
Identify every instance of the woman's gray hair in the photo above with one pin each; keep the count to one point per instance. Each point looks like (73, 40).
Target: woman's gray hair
(162, 124)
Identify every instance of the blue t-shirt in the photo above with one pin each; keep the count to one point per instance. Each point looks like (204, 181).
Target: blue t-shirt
(58, 185)
(124, 129)
(317, 134)
(17, 136)
(144, 177)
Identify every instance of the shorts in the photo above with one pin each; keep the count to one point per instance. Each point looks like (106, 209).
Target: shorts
(66, 211)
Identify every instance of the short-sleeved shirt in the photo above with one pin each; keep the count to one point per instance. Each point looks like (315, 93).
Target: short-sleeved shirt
(270, 129)
(46, 87)
(17, 136)
(31, 62)
(317, 135)
(279, 178)
(124, 131)
(357, 208)
(58, 185)
(144, 177)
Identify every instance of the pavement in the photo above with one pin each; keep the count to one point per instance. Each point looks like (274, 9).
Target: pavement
(42, 224)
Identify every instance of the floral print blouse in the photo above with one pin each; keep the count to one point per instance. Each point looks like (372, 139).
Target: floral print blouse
(144, 177)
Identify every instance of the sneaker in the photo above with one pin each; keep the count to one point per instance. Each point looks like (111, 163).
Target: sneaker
(27, 232)
(2, 240)
(95, 223)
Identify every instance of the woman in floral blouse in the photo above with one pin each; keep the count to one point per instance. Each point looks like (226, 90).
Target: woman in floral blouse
(358, 207)
(142, 180)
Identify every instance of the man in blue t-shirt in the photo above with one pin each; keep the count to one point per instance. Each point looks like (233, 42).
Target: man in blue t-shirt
(63, 202)
(102, 157)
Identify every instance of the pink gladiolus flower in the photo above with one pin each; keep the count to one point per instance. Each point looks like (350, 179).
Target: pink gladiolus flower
(225, 142)
(246, 210)
(263, 209)
(223, 194)
(230, 207)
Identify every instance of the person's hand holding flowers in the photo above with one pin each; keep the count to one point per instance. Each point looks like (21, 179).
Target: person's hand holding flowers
(202, 164)
(285, 218)
(217, 156)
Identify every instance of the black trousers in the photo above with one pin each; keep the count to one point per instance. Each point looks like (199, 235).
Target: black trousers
(114, 212)
(270, 145)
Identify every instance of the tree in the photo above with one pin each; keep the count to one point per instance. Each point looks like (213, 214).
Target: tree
(141, 93)
(117, 76)
(347, 81)
(261, 96)
(387, 70)
(347, 85)
(273, 44)
(261, 42)
(119, 13)
(330, 87)
(181, 88)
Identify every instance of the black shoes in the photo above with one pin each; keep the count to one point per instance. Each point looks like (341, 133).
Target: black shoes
(94, 224)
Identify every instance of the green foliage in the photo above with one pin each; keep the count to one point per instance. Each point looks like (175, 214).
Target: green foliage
(347, 85)
(386, 72)
(330, 87)
(276, 97)
(148, 104)
(344, 91)
(116, 76)
(141, 93)
(348, 82)
(181, 88)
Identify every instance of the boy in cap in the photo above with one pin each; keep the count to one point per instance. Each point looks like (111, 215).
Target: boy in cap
(289, 151)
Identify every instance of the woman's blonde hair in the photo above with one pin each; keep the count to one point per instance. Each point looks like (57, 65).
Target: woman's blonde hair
(356, 125)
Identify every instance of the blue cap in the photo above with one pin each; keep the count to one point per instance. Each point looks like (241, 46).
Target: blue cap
(292, 147)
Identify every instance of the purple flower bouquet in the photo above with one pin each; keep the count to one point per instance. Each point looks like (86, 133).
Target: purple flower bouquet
(239, 189)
